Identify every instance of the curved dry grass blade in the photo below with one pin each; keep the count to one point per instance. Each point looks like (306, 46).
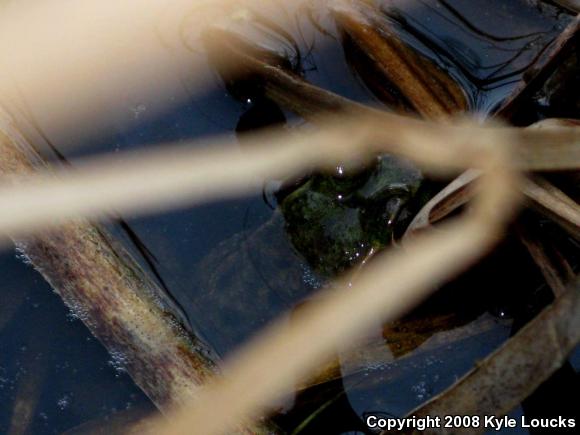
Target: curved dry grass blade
(542, 195)
(170, 176)
(501, 381)
(546, 146)
(453, 196)
(267, 369)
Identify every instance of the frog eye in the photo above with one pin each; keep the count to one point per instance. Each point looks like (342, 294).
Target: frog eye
(390, 177)
(355, 167)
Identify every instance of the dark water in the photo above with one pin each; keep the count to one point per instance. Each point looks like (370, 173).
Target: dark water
(45, 352)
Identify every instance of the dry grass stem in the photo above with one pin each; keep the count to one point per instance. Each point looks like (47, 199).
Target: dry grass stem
(384, 292)
(456, 194)
(541, 195)
(170, 176)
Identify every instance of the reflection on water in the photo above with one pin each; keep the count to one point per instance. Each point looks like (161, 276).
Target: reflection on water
(231, 264)
(478, 41)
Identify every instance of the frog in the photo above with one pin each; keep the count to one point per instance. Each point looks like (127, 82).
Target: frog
(322, 226)
(337, 219)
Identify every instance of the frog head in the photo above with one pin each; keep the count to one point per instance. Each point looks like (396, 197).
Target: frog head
(335, 220)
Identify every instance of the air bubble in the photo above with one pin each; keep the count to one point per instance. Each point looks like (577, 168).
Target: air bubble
(118, 362)
(64, 402)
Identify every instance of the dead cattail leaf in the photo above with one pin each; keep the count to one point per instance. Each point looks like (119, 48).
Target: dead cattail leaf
(511, 373)
(431, 91)
(453, 196)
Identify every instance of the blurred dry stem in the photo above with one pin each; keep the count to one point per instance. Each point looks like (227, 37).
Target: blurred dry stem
(171, 176)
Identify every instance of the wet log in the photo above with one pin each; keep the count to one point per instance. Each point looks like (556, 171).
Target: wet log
(106, 288)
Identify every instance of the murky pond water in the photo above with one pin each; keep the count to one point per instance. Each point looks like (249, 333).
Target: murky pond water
(238, 254)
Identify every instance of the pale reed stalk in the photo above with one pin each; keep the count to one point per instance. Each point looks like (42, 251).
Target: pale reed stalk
(170, 176)
(79, 64)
